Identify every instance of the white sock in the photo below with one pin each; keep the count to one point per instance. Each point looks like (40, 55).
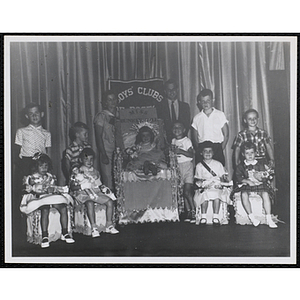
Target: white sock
(270, 222)
(216, 216)
(203, 216)
(253, 220)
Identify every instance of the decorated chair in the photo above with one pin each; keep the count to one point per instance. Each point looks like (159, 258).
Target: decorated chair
(144, 196)
(31, 208)
(80, 221)
(223, 215)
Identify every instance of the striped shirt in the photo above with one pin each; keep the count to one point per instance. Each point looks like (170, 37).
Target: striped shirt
(32, 140)
(73, 152)
(259, 138)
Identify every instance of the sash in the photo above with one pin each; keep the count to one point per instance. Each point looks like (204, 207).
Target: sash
(208, 168)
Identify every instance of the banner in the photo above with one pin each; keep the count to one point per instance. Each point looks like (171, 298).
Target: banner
(138, 93)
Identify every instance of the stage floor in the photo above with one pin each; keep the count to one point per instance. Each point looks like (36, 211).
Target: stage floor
(177, 239)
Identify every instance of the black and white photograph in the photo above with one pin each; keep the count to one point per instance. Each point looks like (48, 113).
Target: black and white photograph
(150, 149)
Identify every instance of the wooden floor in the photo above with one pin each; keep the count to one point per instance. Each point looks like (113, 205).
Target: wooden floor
(169, 239)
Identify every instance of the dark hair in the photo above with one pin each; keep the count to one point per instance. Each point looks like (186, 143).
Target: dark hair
(143, 129)
(39, 159)
(170, 81)
(178, 122)
(75, 129)
(251, 110)
(204, 93)
(104, 97)
(30, 106)
(206, 144)
(246, 146)
(86, 152)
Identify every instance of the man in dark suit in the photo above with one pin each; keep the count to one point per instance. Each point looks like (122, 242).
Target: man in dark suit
(172, 110)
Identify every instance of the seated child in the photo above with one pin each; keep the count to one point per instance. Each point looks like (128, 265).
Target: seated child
(252, 176)
(148, 156)
(87, 189)
(210, 177)
(41, 193)
(184, 150)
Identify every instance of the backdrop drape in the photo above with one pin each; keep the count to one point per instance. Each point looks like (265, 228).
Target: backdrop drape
(68, 78)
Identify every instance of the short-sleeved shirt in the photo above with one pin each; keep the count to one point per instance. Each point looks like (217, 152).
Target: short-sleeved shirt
(32, 140)
(209, 128)
(105, 119)
(184, 144)
(73, 151)
(259, 138)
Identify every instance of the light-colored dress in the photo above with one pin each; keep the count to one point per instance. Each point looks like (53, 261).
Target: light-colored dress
(211, 186)
(36, 196)
(89, 181)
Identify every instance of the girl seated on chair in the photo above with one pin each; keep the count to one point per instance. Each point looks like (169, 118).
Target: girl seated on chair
(87, 189)
(210, 177)
(147, 157)
(252, 176)
(41, 193)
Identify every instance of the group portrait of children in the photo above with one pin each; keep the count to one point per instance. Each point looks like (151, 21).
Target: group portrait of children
(198, 141)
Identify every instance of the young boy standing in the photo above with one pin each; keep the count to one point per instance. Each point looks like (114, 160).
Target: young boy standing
(184, 149)
(30, 140)
(210, 125)
(259, 137)
(79, 134)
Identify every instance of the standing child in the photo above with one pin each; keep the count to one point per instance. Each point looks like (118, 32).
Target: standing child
(210, 176)
(79, 134)
(30, 140)
(259, 137)
(104, 123)
(251, 176)
(41, 193)
(210, 125)
(88, 190)
(184, 149)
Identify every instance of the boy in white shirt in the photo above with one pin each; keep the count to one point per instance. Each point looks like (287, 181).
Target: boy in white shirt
(183, 147)
(210, 125)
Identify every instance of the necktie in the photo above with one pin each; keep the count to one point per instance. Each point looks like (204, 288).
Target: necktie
(173, 114)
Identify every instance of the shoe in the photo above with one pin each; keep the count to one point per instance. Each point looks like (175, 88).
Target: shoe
(193, 217)
(271, 224)
(67, 239)
(45, 242)
(95, 232)
(216, 222)
(111, 229)
(254, 222)
(188, 216)
(203, 221)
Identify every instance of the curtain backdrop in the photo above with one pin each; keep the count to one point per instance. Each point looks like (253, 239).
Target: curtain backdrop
(68, 78)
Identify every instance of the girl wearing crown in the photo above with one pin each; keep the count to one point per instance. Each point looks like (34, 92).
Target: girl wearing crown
(148, 157)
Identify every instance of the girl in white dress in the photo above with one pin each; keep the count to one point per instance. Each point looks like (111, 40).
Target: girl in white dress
(210, 177)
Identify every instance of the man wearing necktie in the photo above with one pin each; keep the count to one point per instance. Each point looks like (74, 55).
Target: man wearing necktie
(171, 109)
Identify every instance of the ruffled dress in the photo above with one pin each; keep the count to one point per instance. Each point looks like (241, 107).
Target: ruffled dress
(90, 177)
(34, 199)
